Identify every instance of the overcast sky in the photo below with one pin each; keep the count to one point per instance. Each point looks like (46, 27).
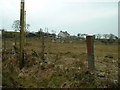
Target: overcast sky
(74, 16)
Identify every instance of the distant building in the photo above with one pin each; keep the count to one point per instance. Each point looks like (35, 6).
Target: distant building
(82, 36)
(62, 34)
(0, 31)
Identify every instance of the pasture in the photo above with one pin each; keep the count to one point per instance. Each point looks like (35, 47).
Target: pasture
(65, 65)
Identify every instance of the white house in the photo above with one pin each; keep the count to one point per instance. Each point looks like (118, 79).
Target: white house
(63, 34)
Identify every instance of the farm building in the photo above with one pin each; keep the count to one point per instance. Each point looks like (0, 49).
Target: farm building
(62, 34)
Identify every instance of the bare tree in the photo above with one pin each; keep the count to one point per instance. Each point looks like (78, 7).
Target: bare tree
(53, 31)
(16, 27)
(27, 30)
(46, 29)
(27, 27)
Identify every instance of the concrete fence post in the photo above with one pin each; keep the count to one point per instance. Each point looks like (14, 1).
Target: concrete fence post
(90, 52)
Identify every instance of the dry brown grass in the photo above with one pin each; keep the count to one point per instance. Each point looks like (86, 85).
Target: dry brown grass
(67, 64)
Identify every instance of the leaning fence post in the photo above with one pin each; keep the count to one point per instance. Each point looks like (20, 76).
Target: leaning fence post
(90, 52)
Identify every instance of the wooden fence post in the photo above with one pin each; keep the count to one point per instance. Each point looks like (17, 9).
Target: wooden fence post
(25, 26)
(0, 59)
(90, 52)
(4, 40)
(118, 44)
(21, 63)
(43, 47)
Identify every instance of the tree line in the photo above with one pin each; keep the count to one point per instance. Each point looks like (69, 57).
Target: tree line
(16, 28)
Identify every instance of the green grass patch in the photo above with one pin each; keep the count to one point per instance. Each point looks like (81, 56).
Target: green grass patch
(56, 81)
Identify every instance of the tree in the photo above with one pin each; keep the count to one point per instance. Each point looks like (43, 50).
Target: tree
(116, 37)
(112, 36)
(39, 33)
(27, 30)
(16, 25)
(31, 34)
(79, 34)
(27, 27)
(105, 36)
(46, 29)
(98, 36)
(53, 31)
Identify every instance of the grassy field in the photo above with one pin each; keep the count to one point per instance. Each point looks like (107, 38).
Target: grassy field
(66, 65)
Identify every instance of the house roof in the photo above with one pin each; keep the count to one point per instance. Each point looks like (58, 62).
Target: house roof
(65, 32)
